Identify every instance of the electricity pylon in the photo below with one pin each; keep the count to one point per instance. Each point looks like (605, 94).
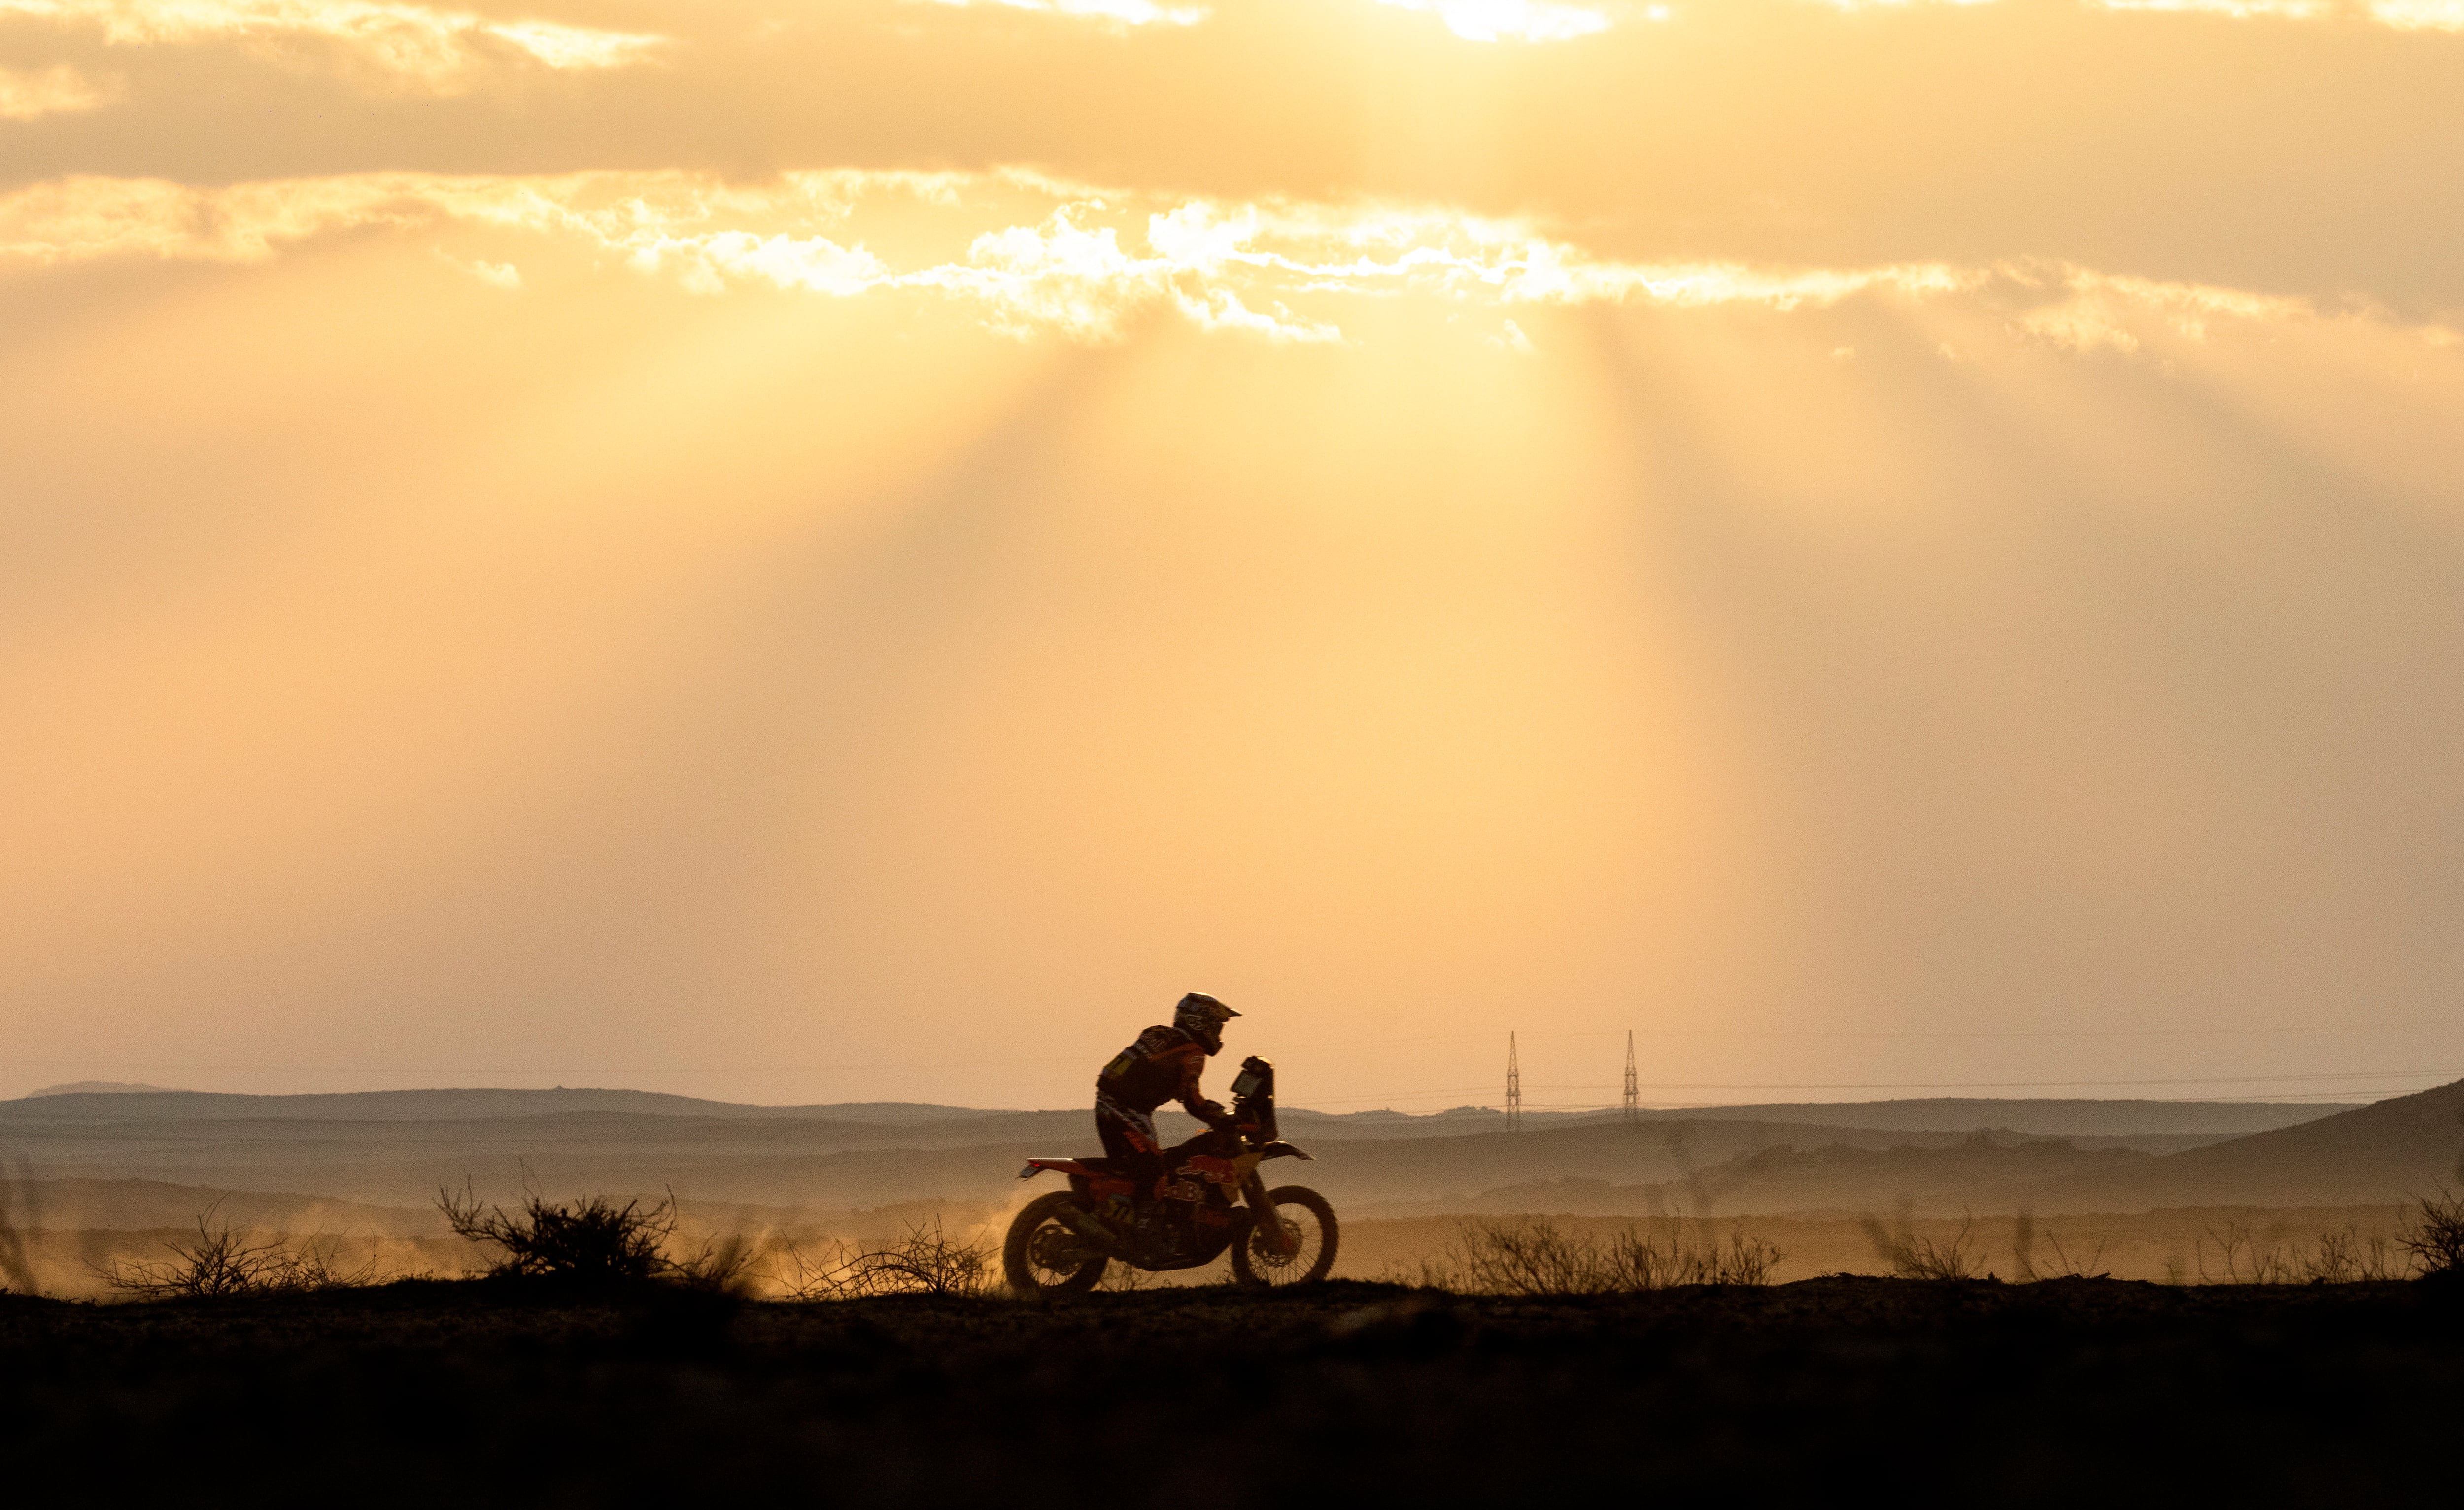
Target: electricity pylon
(1513, 1088)
(1632, 1086)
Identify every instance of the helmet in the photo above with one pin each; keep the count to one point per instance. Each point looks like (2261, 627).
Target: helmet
(1202, 1018)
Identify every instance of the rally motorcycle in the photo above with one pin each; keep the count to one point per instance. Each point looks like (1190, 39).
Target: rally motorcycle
(1213, 1199)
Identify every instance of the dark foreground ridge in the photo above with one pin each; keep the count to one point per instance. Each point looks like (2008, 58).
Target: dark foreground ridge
(487, 1393)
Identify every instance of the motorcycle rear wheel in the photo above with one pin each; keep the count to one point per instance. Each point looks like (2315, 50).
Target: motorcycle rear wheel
(1044, 1258)
(1310, 1222)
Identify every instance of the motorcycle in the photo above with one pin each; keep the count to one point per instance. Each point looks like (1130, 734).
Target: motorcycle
(1062, 1243)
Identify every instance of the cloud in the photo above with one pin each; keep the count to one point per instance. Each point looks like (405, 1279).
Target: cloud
(28, 94)
(2409, 15)
(1108, 13)
(407, 46)
(1515, 20)
(496, 275)
(2421, 15)
(1030, 256)
(2237, 9)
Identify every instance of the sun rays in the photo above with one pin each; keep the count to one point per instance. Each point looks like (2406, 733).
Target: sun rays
(714, 535)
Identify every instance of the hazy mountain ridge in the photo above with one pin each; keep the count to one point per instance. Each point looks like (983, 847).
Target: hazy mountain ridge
(403, 1164)
(2043, 1117)
(94, 1101)
(141, 1205)
(449, 1104)
(1717, 1160)
(1982, 1173)
(2390, 1151)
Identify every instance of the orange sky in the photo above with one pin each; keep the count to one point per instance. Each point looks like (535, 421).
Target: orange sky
(855, 550)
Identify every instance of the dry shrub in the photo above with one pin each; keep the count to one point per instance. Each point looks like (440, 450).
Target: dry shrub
(220, 1261)
(1530, 1255)
(2338, 1257)
(2434, 1234)
(724, 1265)
(2062, 1266)
(926, 1261)
(1914, 1258)
(16, 1261)
(593, 1239)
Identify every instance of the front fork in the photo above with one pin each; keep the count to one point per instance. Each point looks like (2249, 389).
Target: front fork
(1264, 1221)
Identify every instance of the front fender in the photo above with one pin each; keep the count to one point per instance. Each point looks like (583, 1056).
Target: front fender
(1263, 1219)
(1280, 1150)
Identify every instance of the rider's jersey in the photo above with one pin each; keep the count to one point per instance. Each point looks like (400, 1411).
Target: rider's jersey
(1162, 1065)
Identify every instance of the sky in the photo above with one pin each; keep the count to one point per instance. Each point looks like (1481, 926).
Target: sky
(854, 550)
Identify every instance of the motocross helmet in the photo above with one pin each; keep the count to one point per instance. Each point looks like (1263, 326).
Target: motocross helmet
(1202, 1018)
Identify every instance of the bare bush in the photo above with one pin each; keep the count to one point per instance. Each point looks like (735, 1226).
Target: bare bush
(2065, 1267)
(1914, 1258)
(830, 1273)
(220, 1261)
(1524, 1256)
(1639, 1263)
(2344, 1257)
(926, 1261)
(17, 1214)
(2434, 1234)
(725, 1266)
(1530, 1256)
(2239, 1258)
(589, 1239)
(2348, 1257)
(2061, 1265)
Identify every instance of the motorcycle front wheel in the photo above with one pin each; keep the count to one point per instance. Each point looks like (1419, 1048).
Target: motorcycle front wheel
(1309, 1222)
(1043, 1257)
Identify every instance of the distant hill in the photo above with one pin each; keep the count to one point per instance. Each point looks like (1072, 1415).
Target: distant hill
(2053, 1118)
(2390, 1151)
(394, 1148)
(1981, 1174)
(87, 1103)
(106, 1205)
(98, 1101)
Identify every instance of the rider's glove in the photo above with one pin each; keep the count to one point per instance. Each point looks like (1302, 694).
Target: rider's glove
(1213, 1114)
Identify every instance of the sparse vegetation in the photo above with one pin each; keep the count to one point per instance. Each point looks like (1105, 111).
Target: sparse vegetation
(591, 1240)
(926, 1261)
(2035, 1392)
(2343, 1257)
(1532, 1256)
(1915, 1258)
(221, 1261)
(16, 1262)
(2434, 1234)
(2062, 1266)
(724, 1265)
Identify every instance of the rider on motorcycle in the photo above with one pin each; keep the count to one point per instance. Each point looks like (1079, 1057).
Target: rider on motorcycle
(1162, 1065)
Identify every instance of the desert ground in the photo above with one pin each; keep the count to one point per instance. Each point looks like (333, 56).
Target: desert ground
(2042, 1393)
(2175, 1192)
(2021, 1307)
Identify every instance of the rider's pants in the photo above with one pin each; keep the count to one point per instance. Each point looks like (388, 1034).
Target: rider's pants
(1130, 1137)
